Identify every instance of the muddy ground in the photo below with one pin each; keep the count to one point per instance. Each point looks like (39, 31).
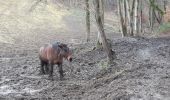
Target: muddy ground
(141, 70)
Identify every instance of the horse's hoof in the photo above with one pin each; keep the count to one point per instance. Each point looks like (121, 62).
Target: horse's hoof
(62, 79)
(50, 78)
(46, 73)
(41, 73)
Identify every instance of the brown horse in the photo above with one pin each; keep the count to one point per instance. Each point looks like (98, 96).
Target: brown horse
(52, 54)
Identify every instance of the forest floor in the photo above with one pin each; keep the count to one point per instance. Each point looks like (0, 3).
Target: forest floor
(141, 70)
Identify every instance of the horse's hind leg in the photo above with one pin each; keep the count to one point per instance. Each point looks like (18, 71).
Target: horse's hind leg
(42, 67)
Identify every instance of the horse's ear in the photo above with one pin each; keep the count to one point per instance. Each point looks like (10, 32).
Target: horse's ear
(62, 45)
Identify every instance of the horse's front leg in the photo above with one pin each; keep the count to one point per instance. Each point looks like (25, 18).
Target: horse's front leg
(51, 71)
(60, 71)
(46, 68)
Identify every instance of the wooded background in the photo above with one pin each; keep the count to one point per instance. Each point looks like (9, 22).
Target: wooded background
(136, 17)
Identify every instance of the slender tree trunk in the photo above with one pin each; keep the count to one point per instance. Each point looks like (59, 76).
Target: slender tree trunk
(157, 14)
(141, 16)
(102, 10)
(158, 17)
(128, 15)
(151, 15)
(125, 14)
(117, 7)
(151, 18)
(122, 19)
(102, 33)
(132, 19)
(165, 4)
(87, 20)
(101, 5)
(136, 22)
(118, 11)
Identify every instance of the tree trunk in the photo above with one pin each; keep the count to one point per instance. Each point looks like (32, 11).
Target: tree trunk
(141, 16)
(132, 19)
(151, 15)
(122, 19)
(165, 5)
(157, 13)
(102, 33)
(136, 22)
(101, 5)
(87, 20)
(128, 15)
(125, 14)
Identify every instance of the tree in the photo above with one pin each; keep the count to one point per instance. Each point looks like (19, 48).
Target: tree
(110, 53)
(101, 10)
(129, 16)
(123, 20)
(87, 20)
(141, 16)
(155, 13)
(136, 20)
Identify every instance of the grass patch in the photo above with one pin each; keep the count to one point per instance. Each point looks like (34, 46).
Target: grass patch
(164, 27)
(103, 65)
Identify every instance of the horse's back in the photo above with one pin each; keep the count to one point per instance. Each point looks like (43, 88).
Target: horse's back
(50, 52)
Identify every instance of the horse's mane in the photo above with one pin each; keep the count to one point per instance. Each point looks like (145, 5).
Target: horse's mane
(56, 45)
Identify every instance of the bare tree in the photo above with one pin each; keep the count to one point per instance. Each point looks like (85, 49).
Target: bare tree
(141, 16)
(155, 12)
(129, 17)
(136, 22)
(122, 19)
(126, 13)
(110, 53)
(165, 5)
(87, 20)
(101, 5)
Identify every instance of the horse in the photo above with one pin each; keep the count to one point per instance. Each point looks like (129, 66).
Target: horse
(53, 54)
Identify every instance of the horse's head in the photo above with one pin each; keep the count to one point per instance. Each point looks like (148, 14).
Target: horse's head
(67, 53)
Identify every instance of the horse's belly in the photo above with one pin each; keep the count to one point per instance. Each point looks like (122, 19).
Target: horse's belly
(58, 61)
